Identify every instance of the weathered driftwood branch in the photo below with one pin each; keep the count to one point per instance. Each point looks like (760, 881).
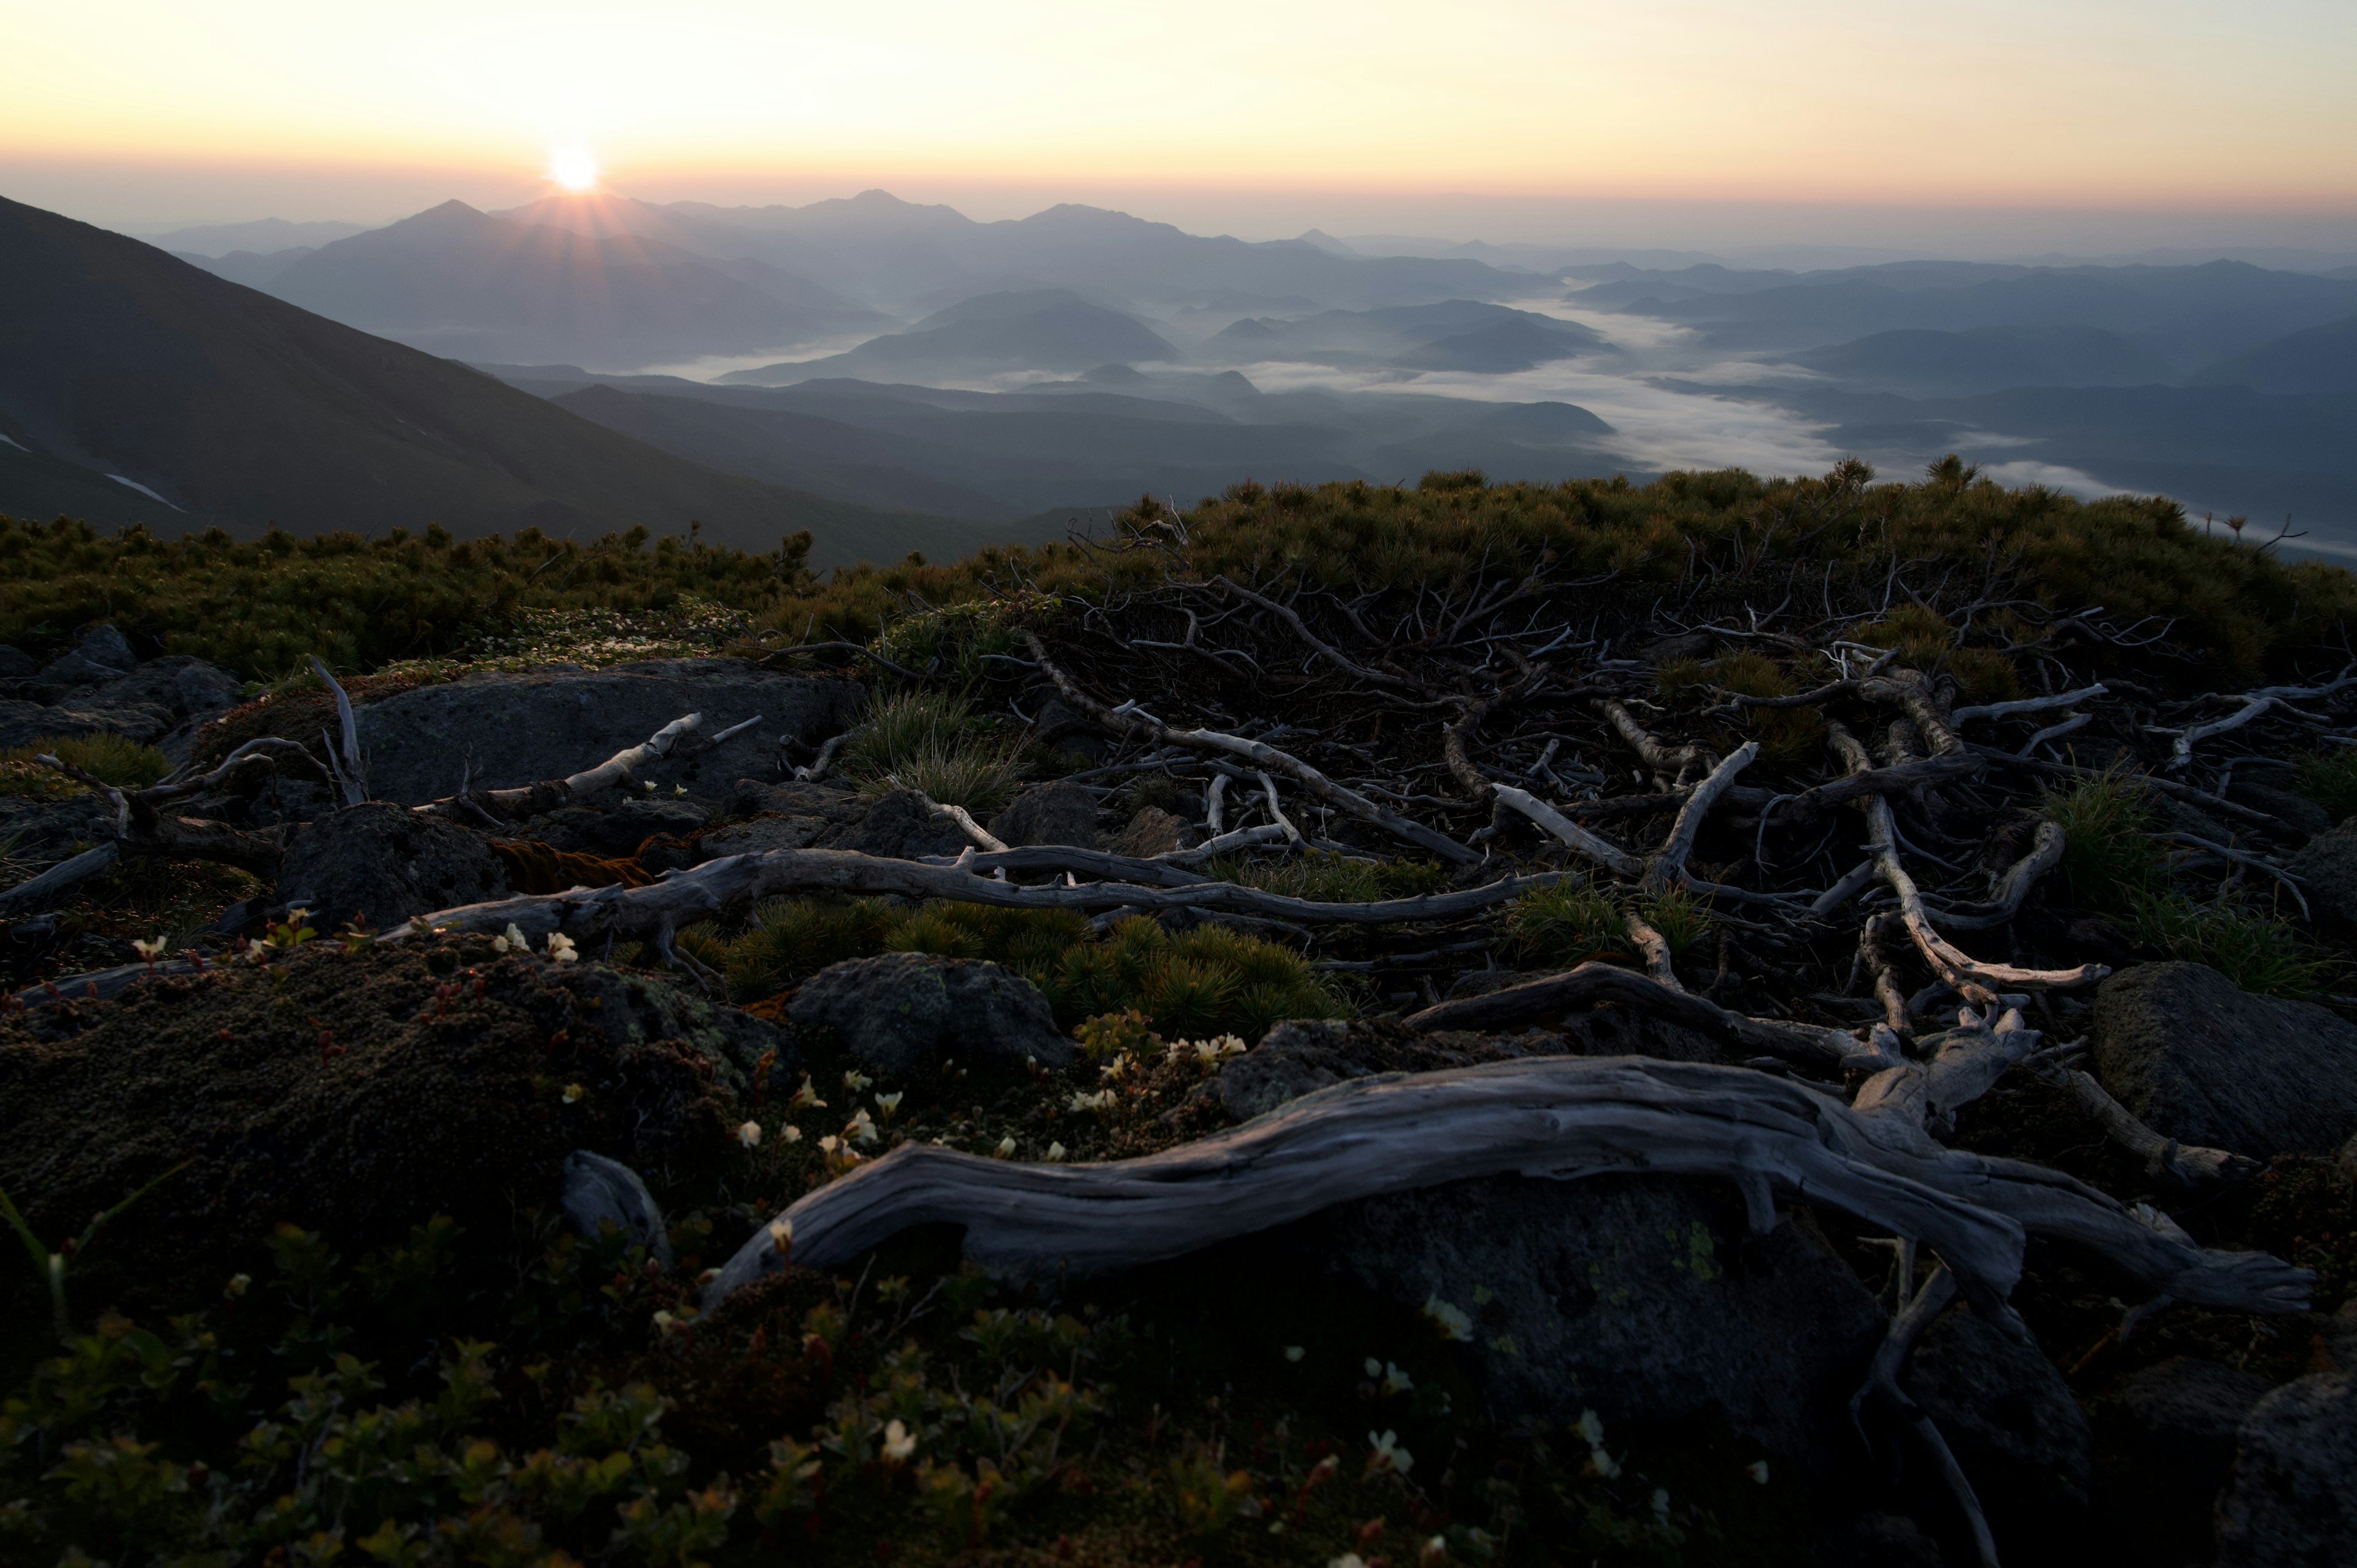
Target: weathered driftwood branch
(1806, 807)
(2013, 886)
(1561, 1117)
(142, 829)
(548, 794)
(1824, 1050)
(982, 838)
(1670, 863)
(1906, 1327)
(1672, 762)
(351, 774)
(2189, 1164)
(58, 877)
(2180, 752)
(2028, 705)
(1654, 950)
(631, 913)
(1602, 851)
(1963, 1065)
(1976, 980)
(1259, 755)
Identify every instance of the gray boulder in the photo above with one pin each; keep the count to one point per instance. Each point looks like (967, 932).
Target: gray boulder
(2165, 1440)
(898, 827)
(2298, 812)
(1151, 832)
(2009, 1418)
(22, 723)
(1640, 1297)
(2293, 1499)
(2204, 1062)
(1051, 814)
(898, 1012)
(617, 829)
(796, 814)
(15, 664)
(520, 729)
(379, 862)
(2327, 869)
(1303, 1054)
(101, 654)
(184, 686)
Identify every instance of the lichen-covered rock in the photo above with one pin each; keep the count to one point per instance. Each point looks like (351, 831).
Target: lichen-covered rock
(2010, 1420)
(1640, 1297)
(516, 729)
(2204, 1062)
(100, 654)
(2298, 812)
(382, 863)
(2326, 869)
(356, 1092)
(1051, 813)
(899, 827)
(1151, 832)
(22, 721)
(898, 1011)
(2293, 1499)
(2165, 1440)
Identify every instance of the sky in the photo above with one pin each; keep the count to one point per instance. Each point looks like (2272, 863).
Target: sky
(1694, 121)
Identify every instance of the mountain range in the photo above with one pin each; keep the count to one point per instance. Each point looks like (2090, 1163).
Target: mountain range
(135, 387)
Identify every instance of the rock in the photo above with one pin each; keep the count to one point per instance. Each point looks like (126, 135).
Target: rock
(521, 728)
(2292, 1502)
(1877, 1541)
(2298, 812)
(1061, 728)
(1302, 1055)
(101, 654)
(2201, 1061)
(1051, 813)
(1485, 981)
(15, 664)
(795, 815)
(379, 862)
(899, 827)
(2327, 867)
(352, 1095)
(1150, 833)
(617, 830)
(1640, 1297)
(601, 1192)
(896, 1011)
(22, 721)
(2008, 1417)
(2165, 1440)
(180, 685)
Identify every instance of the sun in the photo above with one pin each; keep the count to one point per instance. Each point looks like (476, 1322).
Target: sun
(573, 168)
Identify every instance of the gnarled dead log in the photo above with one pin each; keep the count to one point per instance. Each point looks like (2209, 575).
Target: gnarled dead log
(1561, 1117)
(548, 794)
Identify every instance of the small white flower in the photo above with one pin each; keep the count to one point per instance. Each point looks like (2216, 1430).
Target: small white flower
(499, 944)
(1103, 1100)
(1591, 1428)
(1434, 1550)
(855, 1080)
(790, 1133)
(1757, 1471)
(1388, 1454)
(899, 1444)
(648, 786)
(806, 1095)
(1229, 1046)
(1452, 1320)
(1005, 1150)
(1348, 1559)
(1394, 1380)
(150, 951)
(1374, 1367)
(1295, 1352)
(561, 949)
(1054, 1151)
(237, 1285)
(1662, 1504)
(513, 938)
(572, 1092)
(782, 1235)
(750, 1134)
(862, 1128)
(679, 789)
(829, 1144)
(889, 1103)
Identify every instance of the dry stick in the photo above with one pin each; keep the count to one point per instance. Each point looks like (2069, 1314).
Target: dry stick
(141, 828)
(1819, 1048)
(826, 756)
(1563, 1117)
(1332, 655)
(733, 881)
(1283, 823)
(2054, 732)
(1899, 778)
(59, 878)
(1912, 691)
(1668, 761)
(1973, 979)
(532, 800)
(2190, 1164)
(1842, 892)
(1887, 988)
(1963, 1065)
(1671, 864)
(1907, 1326)
(1215, 805)
(2180, 753)
(981, 836)
(1242, 838)
(2218, 804)
(1602, 851)
(1259, 755)
(1655, 948)
(2013, 886)
(2028, 705)
(1055, 859)
(351, 777)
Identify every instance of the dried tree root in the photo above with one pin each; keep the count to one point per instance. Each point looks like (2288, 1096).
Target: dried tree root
(1673, 762)
(548, 794)
(631, 914)
(1260, 756)
(1820, 1049)
(1669, 865)
(1561, 1117)
(2189, 1164)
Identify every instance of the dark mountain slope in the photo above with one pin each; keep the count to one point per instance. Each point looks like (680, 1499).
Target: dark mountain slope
(241, 410)
(2318, 359)
(1987, 359)
(1035, 329)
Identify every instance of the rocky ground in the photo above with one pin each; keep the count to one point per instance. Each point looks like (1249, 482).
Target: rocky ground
(485, 1139)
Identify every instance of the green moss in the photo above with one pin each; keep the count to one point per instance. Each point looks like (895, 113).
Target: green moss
(2329, 778)
(1566, 924)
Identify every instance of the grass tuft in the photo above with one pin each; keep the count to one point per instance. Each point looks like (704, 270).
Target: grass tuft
(2329, 778)
(126, 764)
